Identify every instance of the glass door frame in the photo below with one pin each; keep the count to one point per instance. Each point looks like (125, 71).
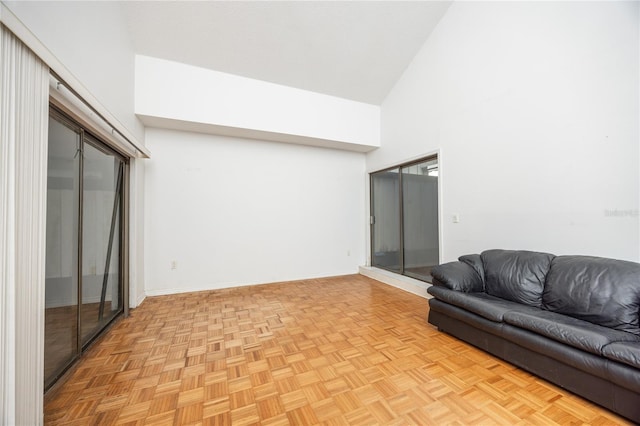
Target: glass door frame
(90, 138)
(401, 250)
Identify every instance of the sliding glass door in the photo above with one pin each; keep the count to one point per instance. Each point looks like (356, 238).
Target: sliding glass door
(420, 218)
(101, 294)
(404, 218)
(61, 271)
(385, 207)
(83, 286)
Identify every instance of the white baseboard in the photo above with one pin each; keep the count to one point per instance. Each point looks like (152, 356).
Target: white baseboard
(402, 282)
(140, 299)
(191, 289)
(411, 285)
(235, 284)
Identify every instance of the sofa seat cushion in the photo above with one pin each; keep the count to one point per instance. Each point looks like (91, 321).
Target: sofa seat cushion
(571, 331)
(626, 352)
(517, 276)
(487, 306)
(602, 291)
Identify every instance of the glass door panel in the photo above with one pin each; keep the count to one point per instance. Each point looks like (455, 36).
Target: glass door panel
(385, 203)
(101, 201)
(420, 218)
(61, 277)
(84, 283)
(404, 222)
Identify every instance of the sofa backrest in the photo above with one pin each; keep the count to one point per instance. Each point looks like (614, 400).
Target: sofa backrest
(602, 291)
(518, 276)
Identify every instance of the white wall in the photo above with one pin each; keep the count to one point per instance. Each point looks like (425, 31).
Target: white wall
(534, 106)
(91, 39)
(174, 94)
(232, 212)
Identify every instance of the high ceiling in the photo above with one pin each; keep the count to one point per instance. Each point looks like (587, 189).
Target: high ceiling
(351, 49)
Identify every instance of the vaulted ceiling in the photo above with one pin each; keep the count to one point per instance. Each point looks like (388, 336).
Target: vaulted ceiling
(351, 49)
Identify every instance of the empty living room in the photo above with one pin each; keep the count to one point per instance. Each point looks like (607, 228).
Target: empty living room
(319, 212)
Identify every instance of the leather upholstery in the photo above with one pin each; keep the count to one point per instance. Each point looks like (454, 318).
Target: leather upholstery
(457, 276)
(627, 352)
(518, 276)
(475, 261)
(487, 306)
(625, 376)
(573, 320)
(571, 331)
(598, 290)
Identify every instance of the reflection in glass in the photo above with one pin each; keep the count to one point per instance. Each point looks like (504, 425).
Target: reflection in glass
(83, 287)
(101, 298)
(420, 218)
(61, 277)
(404, 227)
(386, 220)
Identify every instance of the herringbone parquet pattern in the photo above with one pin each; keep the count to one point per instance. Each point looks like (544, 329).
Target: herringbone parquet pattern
(343, 350)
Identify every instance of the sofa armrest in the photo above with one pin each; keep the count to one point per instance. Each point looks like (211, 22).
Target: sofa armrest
(457, 276)
(475, 261)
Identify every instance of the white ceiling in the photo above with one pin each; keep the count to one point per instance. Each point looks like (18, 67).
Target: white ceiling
(351, 49)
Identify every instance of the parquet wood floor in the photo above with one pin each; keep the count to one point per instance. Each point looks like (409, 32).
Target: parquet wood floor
(334, 351)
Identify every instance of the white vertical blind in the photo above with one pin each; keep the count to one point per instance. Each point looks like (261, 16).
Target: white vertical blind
(24, 106)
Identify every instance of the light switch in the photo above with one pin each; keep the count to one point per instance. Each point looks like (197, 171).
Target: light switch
(456, 218)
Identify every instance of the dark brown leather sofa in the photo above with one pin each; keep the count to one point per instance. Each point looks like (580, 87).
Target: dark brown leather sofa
(572, 320)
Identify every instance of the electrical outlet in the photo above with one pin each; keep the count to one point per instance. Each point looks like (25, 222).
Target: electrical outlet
(174, 265)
